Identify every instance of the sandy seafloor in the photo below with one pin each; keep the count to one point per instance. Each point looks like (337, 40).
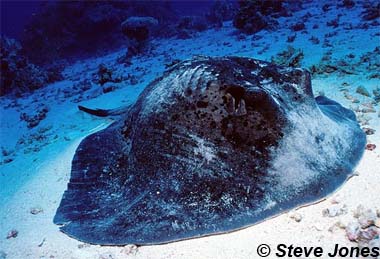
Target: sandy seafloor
(37, 178)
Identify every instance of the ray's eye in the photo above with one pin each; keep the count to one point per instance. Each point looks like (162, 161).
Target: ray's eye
(237, 92)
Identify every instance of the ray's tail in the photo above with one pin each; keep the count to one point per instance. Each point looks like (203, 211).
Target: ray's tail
(104, 112)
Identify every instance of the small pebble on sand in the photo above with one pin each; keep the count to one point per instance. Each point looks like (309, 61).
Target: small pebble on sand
(343, 222)
(352, 231)
(335, 210)
(83, 245)
(377, 223)
(363, 91)
(336, 199)
(129, 250)
(367, 218)
(12, 234)
(358, 211)
(105, 256)
(36, 210)
(369, 131)
(370, 147)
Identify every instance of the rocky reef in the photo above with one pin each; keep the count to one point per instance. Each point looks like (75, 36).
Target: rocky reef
(371, 11)
(18, 75)
(138, 29)
(93, 27)
(99, 27)
(221, 11)
(256, 15)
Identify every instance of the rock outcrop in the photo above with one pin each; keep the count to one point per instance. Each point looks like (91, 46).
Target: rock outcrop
(256, 15)
(18, 75)
(137, 30)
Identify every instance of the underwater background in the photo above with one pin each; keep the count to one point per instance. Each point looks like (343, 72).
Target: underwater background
(56, 55)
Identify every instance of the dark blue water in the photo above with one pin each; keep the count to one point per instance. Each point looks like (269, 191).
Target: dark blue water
(15, 15)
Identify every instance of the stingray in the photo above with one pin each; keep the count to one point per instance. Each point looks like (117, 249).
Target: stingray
(211, 146)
